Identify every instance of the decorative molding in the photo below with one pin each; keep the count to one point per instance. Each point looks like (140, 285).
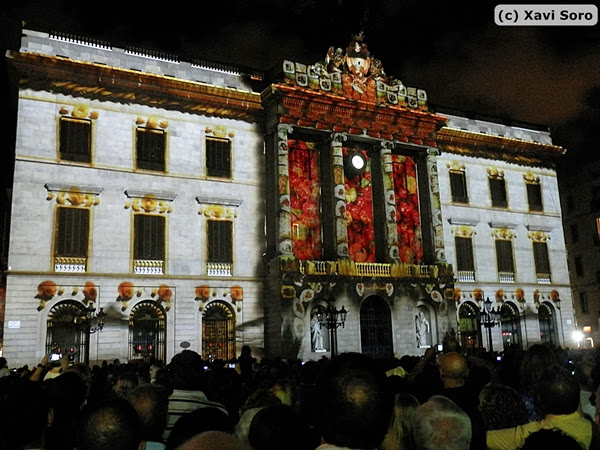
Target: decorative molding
(530, 177)
(510, 226)
(494, 173)
(75, 195)
(503, 233)
(80, 111)
(218, 208)
(219, 131)
(539, 228)
(456, 166)
(153, 122)
(158, 202)
(464, 231)
(538, 236)
(471, 222)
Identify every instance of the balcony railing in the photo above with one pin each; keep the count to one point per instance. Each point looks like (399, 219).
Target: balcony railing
(371, 270)
(148, 267)
(466, 275)
(218, 269)
(62, 264)
(506, 277)
(543, 278)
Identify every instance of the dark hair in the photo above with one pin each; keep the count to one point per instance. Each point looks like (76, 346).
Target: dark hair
(553, 438)
(353, 403)
(151, 401)
(495, 398)
(109, 425)
(280, 426)
(559, 392)
(186, 371)
(196, 422)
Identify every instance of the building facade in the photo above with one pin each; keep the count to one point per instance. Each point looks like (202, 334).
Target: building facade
(332, 211)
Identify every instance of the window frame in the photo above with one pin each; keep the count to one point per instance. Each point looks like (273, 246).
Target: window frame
(458, 181)
(505, 258)
(146, 242)
(219, 247)
(465, 260)
(69, 140)
(498, 194)
(156, 163)
(215, 166)
(541, 259)
(534, 193)
(71, 255)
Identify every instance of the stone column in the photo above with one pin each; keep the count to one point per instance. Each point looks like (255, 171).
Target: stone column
(339, 194)
(285, 219)
(436, 207)
(390, 199)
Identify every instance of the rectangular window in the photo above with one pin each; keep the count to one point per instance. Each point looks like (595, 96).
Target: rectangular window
(465, 265)
(220, 247)
(542, 262)
(574, 233)
(75, 140)
(72, 237)
(498, 192)
(534, 197)
(149, 244)
(578, 266)
(583, 303)
(458, 186)
(505, 261)
(218, 158)
(150, 149)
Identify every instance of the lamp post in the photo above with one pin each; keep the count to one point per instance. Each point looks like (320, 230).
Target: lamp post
(89, 320)
(489, 320)
(334, 318)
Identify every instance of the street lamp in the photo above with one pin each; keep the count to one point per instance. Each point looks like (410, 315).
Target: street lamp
(333, 319)
(89, 320)
(490, 319)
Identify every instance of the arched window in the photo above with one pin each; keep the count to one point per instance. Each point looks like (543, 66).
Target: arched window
(511, 330)
(469, 325)
(376, 328)
(147, 331)
(546, 320)
(63, 332)
(218, 332)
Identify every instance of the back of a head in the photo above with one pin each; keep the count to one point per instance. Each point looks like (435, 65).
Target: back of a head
(554, 438)
(535, 361)
(353, 403)
(558, 392)
(454, 368)
(151, 401)
(196, 422)
(186, 371)
(440, 424)
(112, 424)
(280, 426)
(213, 440)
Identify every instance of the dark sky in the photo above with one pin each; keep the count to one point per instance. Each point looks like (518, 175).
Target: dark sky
(454, 50)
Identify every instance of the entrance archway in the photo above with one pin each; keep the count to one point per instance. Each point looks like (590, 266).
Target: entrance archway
(147, 332)
(63, 333)
(376, 328)
(218, 332)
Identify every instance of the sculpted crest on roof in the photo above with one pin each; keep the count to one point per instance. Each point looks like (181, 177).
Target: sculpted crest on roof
(355, 74)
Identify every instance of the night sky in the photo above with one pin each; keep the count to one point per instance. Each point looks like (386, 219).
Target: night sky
(454, 50)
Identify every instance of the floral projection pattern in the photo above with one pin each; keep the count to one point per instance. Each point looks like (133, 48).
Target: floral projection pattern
(407, 209)
(359, 213)
(305, 200)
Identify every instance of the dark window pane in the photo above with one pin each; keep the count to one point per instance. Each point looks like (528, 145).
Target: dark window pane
(540, 256)
(218, 158)
(75, 140)
(464, 254)
(498, 192)
(504, 256)
(458, 187)
(149, 237)
(534, 197)
(220, 241)
(150, 149)
(72, 232)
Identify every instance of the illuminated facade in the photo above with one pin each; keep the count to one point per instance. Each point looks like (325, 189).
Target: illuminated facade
(200, 214)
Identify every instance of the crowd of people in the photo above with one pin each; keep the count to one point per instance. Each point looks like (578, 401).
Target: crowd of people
(540, 398)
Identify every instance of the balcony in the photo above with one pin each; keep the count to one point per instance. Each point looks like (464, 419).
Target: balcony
(347, 267)
(219, 269)
(506, 277)
(543, 278)
(148, 267)
(75, 265)
(467, 276)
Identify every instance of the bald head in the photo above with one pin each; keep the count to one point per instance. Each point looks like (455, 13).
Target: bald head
(214, 440)
(453, 369)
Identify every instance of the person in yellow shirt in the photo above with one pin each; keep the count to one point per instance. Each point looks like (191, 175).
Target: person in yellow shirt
(559, 400)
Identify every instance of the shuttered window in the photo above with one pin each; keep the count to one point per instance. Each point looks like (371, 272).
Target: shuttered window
(150, 149)
(75, 140)
(504, 256)
(458, 186)
(498, 192)
(149, 237)
(218, 158)
(464, 254)
(220, 248)
(534, 197)
(72, 230)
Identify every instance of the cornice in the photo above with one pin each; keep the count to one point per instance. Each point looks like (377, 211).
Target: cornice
(97, 81)
(488, 146)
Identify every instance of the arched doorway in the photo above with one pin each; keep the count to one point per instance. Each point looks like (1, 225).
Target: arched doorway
(511, 329)
(147, 331)
(547, 322)
(469, 326)
(376, 328)
(64, 333)
(218, 332)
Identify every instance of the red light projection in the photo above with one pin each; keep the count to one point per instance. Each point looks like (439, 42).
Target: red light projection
(407, 209)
